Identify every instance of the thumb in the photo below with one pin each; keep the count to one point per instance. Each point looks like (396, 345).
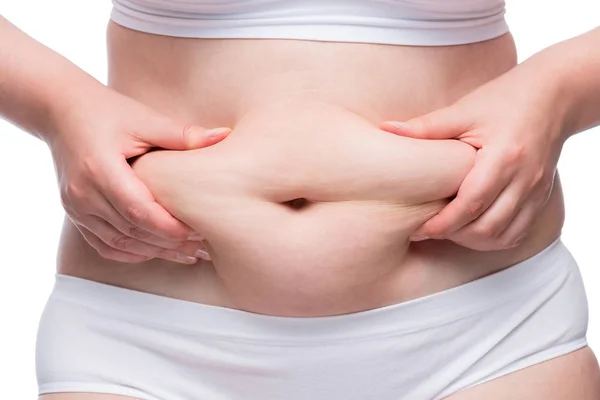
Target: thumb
(174, 135)
(445, 123)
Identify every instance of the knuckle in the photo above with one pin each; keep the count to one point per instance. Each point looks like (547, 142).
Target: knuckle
(186, 133)
(72, 193)
(136, 214)
(171, 234)
(510, 242)
(65, 200)
(435, 232)
(486, 232)
(517, 241)
(164, 253)
(138, 233)
(115, 255)
(548, 185)
(514, 154)
(475, 207)
(538, 181)
(424, 123)
(73, 200)
(91, 168)
(543, 183)
(109, 253)
(71, 212)
(471, 240)
(160, 252)
(120, 242)
(539, 176)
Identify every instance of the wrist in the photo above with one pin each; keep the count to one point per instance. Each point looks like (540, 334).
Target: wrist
(569, 71)
(542, 94)
(543, 80)
(70, 103)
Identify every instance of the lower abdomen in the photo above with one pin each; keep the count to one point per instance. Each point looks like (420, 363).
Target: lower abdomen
(366, 190)
(308, 204)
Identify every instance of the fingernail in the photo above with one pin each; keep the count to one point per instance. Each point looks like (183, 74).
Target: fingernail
(203, 254)
(398, 124)
(186, 259)
(216, 132)
(418, 238)
(195, 237)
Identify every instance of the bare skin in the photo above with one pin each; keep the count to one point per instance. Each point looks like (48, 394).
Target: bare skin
(317, 216)
(325, 99)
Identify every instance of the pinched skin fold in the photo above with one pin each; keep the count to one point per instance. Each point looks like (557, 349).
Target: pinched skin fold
(366, 191)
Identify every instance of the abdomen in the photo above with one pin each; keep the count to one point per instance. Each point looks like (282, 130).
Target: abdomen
(310, 205)
(305, 118)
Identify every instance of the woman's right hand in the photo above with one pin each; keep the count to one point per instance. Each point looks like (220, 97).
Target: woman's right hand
(110, 206)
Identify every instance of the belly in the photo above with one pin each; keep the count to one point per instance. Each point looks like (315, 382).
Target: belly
(306, 208)
(306, 203)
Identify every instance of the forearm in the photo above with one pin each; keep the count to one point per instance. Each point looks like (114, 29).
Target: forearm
(571, 71)
(38, 87)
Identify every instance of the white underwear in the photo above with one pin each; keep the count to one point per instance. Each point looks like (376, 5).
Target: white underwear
(98, 338)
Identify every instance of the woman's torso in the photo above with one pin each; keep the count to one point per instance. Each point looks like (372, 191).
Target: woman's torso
(304, 117)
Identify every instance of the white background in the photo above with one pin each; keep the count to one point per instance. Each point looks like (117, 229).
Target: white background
(31, 214)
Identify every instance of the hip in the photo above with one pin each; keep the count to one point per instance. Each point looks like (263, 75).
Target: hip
(477, 332)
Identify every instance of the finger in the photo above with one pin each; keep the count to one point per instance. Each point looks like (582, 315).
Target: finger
(197, 249)
(481, 186)
(133, 200)
(169, 134)
(517, 230)
(116, 240)
(445, 123)
(499, 215)
(501, 225)
(188, 247)
(109, 252)
(108, 213)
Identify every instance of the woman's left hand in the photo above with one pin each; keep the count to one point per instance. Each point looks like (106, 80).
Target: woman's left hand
(516, 124)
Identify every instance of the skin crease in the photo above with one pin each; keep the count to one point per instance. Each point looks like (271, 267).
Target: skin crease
(106, 221)
(306, 74)
(91, 131)
(517, 154)
(296, 78)
(286, 92)
(508, 184)
(571, 376)
(363, 204)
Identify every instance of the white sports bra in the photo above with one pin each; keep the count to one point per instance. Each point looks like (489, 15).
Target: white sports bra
(403, 22)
